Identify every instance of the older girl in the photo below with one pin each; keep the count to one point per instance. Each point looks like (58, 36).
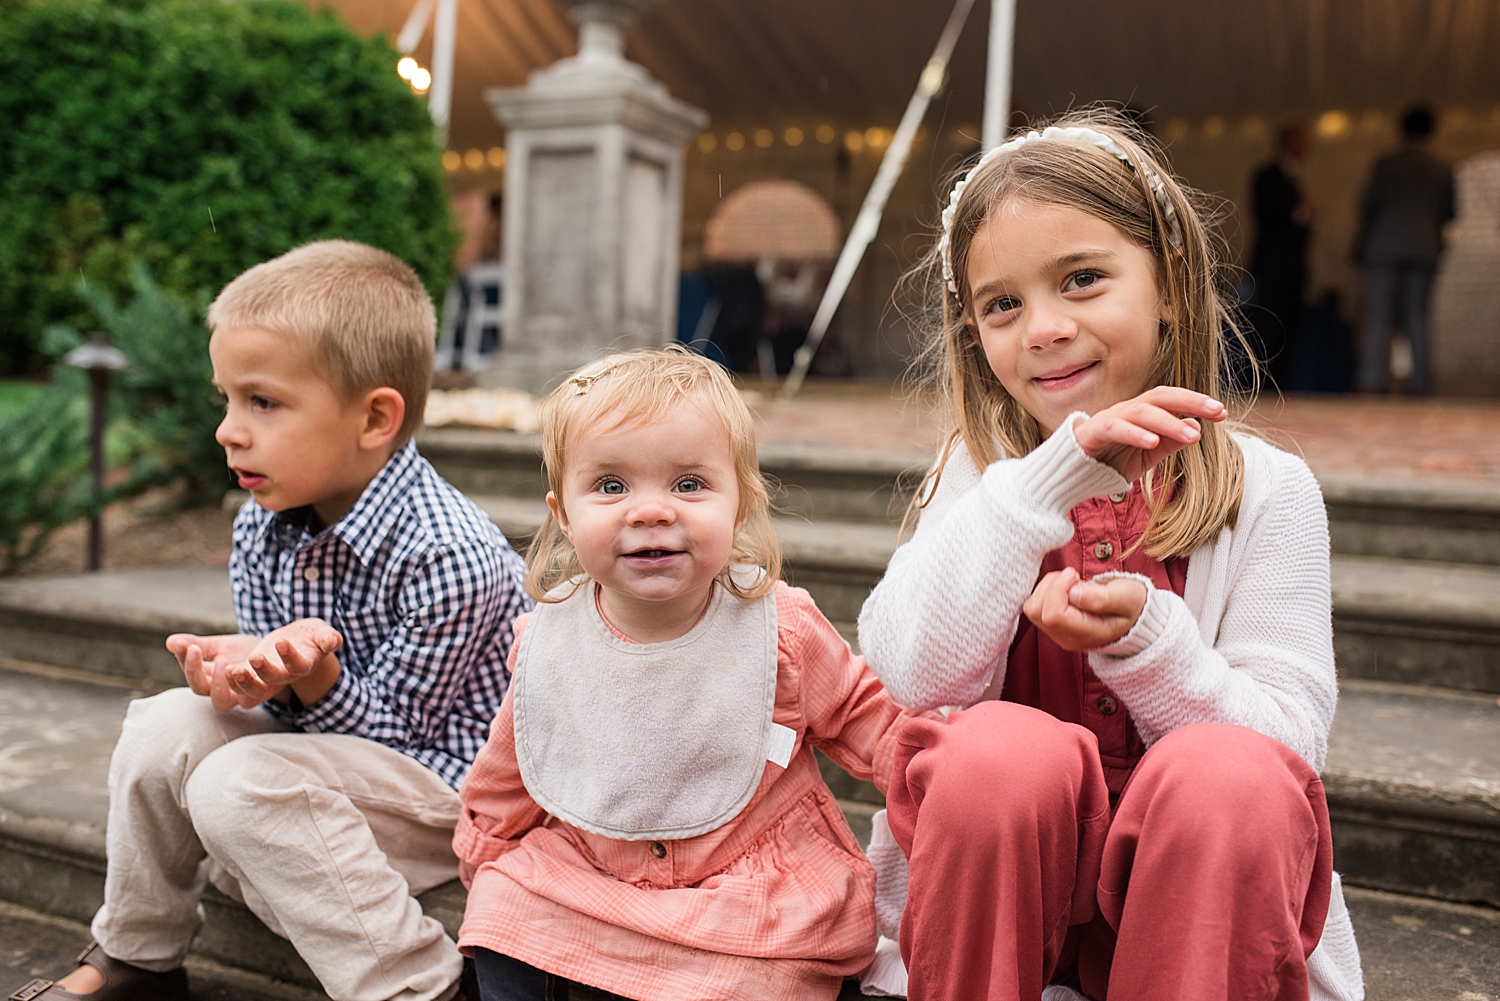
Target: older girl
(1128, 602)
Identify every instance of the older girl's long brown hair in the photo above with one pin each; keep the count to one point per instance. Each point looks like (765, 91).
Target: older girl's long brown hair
(1203, 483)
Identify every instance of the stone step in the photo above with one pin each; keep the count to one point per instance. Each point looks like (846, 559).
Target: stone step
(1431, 520)
(809, 480)
(1413, 784)
(1394, 620)
(1413, 781)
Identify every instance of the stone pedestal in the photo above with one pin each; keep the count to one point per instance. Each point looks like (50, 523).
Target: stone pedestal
(1466, 295)
(594, 162)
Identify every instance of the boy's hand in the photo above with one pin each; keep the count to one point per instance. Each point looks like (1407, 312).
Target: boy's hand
(283, 658)
(466, 873)
(1085, 615)
(1135, 435)
(199, 656)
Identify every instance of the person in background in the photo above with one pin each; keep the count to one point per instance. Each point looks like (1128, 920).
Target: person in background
(1283, 223)
(1401, 215)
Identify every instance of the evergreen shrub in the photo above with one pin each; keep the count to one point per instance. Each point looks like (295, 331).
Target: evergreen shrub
(199, 137)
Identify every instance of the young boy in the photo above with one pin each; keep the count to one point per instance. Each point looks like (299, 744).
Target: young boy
(317, 780)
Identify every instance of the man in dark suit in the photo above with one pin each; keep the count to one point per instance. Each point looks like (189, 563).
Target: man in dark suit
(1283, 224)
(1401, 215)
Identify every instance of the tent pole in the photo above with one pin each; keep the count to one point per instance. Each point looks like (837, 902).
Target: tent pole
(997, 73)
(867, 223)
(440, 98)
(414, 28)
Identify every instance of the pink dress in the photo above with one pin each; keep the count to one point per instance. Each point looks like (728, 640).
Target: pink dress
(778, 903)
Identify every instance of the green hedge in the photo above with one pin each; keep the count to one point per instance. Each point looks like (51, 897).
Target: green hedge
(124, 123)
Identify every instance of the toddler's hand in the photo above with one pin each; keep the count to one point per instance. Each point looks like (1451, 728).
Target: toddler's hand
(1085, 615)
(198, 656)
(282, 657)
(1135, 435)
(466, 873)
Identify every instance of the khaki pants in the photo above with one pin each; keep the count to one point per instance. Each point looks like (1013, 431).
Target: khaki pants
(325, 837)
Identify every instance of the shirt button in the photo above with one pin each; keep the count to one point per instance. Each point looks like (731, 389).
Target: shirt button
(1107, 706)
(310, 728)
(1103, 551)
(310, 574)
(658, 849)
(1118, 498)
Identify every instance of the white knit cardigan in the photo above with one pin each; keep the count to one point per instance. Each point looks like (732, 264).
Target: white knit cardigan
(1250, 642)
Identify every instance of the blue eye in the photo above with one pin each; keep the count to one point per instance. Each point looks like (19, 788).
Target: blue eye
(612, 487)
(690, 485)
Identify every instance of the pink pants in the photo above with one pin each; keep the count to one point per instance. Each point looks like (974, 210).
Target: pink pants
(1211, 879)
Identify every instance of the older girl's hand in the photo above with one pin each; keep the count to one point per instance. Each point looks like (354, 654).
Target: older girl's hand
(1135, 435)
(1085, 615)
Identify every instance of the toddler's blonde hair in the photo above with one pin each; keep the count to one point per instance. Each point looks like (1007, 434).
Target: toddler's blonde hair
(1203, 482)
(363, 315)
(640, 387)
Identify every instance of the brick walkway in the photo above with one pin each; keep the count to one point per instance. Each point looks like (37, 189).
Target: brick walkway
(1387, 437)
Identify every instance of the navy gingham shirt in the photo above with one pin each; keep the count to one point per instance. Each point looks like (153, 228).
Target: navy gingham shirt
(424, 589)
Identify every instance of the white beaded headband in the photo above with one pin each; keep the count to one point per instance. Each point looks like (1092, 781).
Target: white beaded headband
(1083, 135)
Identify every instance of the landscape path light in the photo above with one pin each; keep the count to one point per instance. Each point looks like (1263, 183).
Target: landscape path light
(98, 358)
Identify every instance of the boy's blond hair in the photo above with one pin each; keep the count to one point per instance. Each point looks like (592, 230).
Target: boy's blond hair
(1193, 493)
(640, 387)
(363, 314)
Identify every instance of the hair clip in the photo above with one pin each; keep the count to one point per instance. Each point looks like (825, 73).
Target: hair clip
(583, 383)
(1092, 137)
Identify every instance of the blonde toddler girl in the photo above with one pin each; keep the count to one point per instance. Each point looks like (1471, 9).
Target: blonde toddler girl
(1128, 602)
(647, 817)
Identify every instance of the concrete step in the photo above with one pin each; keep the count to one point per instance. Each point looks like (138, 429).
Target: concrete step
(1413, 784)
(809, 480)
(1417, 623)
(1394, 620)
(1431, 520)
(1413, 779)
(1411, 949)
(1441, 521)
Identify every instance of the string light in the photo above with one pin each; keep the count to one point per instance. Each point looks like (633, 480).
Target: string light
(496, 156)
(826, 134)
(1333, 124)
(451, 160)
(793, 136)
(764, 138)
(406, 67)
(707, 143)
(421, 80)
(734, 142)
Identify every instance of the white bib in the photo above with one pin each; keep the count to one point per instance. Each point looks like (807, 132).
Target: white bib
(637, 741)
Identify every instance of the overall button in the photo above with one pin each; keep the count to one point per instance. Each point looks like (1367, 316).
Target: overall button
(658, 849)
(1118, 498)
(310, 574)
(1107, 706)
(1103, 551)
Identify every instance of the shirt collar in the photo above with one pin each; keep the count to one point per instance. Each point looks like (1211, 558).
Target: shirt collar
(365, 525)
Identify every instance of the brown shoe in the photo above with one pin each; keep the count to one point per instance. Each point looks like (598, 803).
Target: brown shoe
(122, 982)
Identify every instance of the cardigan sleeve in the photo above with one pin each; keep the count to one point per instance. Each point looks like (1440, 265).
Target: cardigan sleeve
(1271, 666)
(496, 808)
(937, 627)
